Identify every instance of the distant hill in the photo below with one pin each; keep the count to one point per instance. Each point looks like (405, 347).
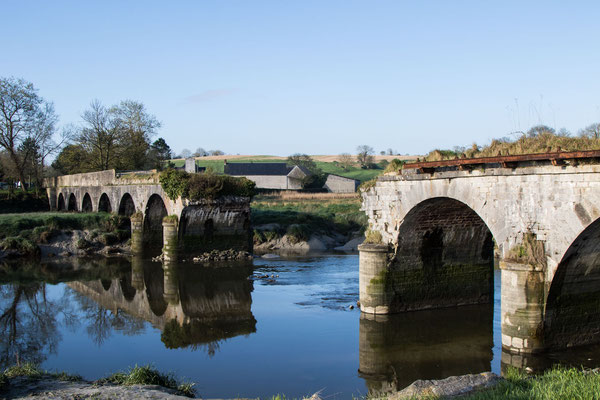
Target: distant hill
(328, 164)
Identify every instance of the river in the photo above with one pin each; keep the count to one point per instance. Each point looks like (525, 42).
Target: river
(256, 329)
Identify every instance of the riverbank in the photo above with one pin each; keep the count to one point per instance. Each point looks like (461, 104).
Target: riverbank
(51, 234)
(145, 382)
(307, 222)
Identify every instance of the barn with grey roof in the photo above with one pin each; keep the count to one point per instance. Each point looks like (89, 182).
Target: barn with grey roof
(269, 175)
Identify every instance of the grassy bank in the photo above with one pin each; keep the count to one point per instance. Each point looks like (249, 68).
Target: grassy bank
(556, 383)
(300, 215)
(23, 232)
(138, 375)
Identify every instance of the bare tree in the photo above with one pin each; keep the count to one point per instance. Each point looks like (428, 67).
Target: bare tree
(100, 136)
(346, 160)
(216, 153)
(200, 152)
(364, 155)
(185, 153)
(591, 131)
(24, 116)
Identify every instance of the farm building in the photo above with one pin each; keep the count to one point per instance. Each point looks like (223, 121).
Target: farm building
(269, 175)
(340, 184)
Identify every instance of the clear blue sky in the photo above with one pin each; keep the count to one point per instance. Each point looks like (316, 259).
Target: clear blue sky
(317, 77)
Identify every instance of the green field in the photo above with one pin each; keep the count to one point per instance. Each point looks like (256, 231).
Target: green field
(327, 167)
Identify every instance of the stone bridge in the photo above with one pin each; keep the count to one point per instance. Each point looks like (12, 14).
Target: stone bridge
(201, 225)
(436, 227)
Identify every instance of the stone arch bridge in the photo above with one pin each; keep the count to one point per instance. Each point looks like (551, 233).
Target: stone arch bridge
(436, 226)
(200, 225)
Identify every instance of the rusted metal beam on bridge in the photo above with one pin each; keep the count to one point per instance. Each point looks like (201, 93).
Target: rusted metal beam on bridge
(556, 158)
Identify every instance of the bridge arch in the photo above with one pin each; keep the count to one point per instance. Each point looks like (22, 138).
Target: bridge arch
(126, 206)
(60, 203)
(72, 205)
(86, 204)
(104, 204)
(153, 217)
(572, 312)
(443, 256)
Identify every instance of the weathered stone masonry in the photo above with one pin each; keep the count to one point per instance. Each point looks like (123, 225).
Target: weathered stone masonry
(199, 226)
(439, 230)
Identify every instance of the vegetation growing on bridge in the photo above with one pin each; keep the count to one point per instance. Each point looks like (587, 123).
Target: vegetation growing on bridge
(529, 251)
(203, 186)
(538, 139)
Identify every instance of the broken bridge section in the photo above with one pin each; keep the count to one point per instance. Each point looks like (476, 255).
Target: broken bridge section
(441, 222)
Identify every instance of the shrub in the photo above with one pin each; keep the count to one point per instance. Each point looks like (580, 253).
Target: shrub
(373, 237)
(394, 165)
(298, 233)
(116, 222)
(211, 186)
(206, 185)
(174, 182)
(147, 375)
(21, 245)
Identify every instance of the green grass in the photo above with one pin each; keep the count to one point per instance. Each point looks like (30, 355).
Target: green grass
(303, 217)
(147, 375)
(556, 383)
(32, 370)
(15, 224)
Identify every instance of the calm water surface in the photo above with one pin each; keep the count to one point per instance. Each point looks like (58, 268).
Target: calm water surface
(234, 331)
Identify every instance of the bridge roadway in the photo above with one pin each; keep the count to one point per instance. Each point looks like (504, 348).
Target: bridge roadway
(435, 229)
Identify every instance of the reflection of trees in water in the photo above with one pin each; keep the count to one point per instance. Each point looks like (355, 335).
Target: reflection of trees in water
(101, 321)
(28, 323)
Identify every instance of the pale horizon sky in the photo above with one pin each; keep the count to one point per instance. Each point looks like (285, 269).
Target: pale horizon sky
(315, 77)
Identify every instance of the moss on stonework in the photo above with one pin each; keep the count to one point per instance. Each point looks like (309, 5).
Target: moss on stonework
(460, 283)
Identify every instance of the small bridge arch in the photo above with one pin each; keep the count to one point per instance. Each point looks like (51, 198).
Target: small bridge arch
(60, 204)
(86, 203)
(126, 205)
(104, 204)
(72, 205)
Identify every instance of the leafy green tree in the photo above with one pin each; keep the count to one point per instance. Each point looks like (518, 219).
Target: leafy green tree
(73, 159)
(138, 127)
(317, 177)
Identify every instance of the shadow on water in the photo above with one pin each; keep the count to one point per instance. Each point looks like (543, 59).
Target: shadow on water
(395, 350)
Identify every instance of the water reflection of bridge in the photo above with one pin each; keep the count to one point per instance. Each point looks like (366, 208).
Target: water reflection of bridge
(396, 350)
(191, 306)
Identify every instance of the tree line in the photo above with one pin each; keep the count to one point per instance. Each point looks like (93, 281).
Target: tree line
(119, 136)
